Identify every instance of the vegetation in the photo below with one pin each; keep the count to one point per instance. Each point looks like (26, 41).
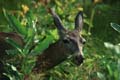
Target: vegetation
(31, 20)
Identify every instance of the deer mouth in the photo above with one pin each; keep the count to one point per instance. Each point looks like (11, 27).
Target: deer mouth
(78, 57)
(79, 60)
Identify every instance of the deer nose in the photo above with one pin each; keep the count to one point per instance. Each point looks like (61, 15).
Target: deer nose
(79, 59)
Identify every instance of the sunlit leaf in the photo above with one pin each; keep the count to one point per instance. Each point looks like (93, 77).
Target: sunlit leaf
(59, 10)
(58, 3)
(101, 76)
(108, 45)
(58, 73)
(13, 73)
(117, 49)
(115, 26)
(54, 33)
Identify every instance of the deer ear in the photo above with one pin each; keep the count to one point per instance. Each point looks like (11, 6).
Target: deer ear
(57, 21)
(79, 21)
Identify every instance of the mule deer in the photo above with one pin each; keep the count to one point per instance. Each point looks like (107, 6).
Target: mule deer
(69, 43)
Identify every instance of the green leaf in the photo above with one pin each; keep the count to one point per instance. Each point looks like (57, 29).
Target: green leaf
(58, 3)
(109, 45)
(118, 69)
(30, 33)
(12, 52)
(115, 26)
(30, 16)
(31, 21)
(54, 33)
(43, 45)
(28, 41)
(28, 45)
(117, 49)
(12, 73)
(88, 22)
(27, 66)
(15, 24)
(109, 70)
(101, 76)
(14, 44)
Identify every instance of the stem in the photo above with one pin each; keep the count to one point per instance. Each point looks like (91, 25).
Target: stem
(91, 20)
(119, 69)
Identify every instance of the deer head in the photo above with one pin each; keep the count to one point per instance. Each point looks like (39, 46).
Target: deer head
(71, 39)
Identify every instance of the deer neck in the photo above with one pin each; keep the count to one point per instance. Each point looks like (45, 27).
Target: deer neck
(55, 54)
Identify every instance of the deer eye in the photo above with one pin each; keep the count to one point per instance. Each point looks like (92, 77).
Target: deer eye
(83, 41)
(66, 40)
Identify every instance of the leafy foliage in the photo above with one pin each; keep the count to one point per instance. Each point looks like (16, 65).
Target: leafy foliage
(36, 27)
(26, 52)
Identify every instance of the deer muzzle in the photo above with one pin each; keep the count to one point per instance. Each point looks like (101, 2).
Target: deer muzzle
(79, 58)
